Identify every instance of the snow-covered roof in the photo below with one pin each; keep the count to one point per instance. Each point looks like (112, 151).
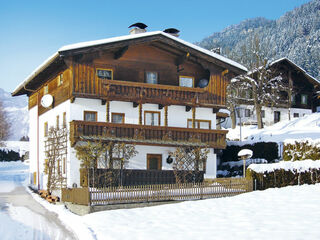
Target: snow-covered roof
(296, 66)
(51, 59)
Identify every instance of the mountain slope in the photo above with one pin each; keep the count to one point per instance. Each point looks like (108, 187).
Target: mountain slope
(17, 111)
(295, 35)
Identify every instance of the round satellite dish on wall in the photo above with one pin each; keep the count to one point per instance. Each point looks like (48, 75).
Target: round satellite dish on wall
(46, 100)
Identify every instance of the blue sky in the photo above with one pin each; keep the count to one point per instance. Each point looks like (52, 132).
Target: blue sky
(33, 30)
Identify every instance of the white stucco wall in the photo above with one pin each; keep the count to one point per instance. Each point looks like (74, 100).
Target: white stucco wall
(177, 117)
(33, 114)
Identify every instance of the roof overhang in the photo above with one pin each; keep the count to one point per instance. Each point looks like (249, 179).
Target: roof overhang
(26, 86)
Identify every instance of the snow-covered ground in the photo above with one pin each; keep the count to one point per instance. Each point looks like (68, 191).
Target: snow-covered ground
(285, 213)
(298, 128)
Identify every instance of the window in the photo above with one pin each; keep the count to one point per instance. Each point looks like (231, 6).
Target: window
(154, 161)
(247, 112)
(117, 117)
(295, 115)
(46, 129)
(304, 99)
(263, 113)
(105, 73)
(276, 116)
(293, 99)
(202, 124)
(90, 116)
(116, 163)
(152, 118)
(46, 89)
(185, 81)
(64, 119)
(152, 77)
(60, 79)
(57, 121)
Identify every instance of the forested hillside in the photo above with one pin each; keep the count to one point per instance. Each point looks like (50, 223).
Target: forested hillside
(295, 35)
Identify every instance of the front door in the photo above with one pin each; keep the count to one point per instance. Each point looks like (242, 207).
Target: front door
(154, 161)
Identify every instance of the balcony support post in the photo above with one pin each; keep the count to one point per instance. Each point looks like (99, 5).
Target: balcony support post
(140, 113)
(108, 111)
(193, 117)
(166, 116)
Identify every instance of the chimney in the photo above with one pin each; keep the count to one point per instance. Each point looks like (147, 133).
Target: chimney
(172, 31)
(138, 28)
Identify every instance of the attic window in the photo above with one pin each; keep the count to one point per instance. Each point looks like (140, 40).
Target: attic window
(186, 81)
(152, 77)
(105, 73)
(45, 89)
(60, 79)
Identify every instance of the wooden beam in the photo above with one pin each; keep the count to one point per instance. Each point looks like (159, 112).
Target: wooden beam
(166, 116)
(193, 117)
(108, 111)
(118, 54)
(140, 113)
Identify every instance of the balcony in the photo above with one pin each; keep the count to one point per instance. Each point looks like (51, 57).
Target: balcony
(154, 93)
(148, 135)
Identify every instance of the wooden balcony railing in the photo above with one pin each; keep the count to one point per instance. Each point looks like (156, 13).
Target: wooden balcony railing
(142, 134)
(155, 93)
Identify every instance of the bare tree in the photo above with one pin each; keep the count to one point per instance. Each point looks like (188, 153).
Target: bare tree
(4, 125)
(263, 84)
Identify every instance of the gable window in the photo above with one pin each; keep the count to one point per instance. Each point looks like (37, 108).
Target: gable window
(295, 115)
(202, 124)
(117, 117)
(46, 129)
(304, 99)
(152, 77)
(276, 116)
(90, 116)
(46, 89)
(105, 73)
(247, 112)
(152, 118)
(60, 79)
(186, 81)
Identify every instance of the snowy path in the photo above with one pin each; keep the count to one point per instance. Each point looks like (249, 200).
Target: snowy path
(24, 217)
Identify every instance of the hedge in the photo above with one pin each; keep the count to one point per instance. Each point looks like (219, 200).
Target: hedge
(9, 156)
(265, 150)
(307, 173)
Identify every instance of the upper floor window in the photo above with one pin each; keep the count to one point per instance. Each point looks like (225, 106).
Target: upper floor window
(247, 112)
(202, 124)
(117, 117)
(276, 116)
(293, 99)
(46, 129)
(64, 119)
(304, 99)
(60, 79)
(186, 81)
(46, 89)
(152, 77)
(105, 73)
(57, 121)
(152, 118)
(90, 116)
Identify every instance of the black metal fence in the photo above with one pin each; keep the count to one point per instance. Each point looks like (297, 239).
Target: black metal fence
(132, 177)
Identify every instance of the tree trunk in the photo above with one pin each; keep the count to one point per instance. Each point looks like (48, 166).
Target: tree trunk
(233, 116)
(257, 106)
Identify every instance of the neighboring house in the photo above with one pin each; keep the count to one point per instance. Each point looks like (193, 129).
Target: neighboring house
(141, 88)
(303, 99)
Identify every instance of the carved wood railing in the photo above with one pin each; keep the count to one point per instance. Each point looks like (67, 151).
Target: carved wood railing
(154, 93)
(142, 134)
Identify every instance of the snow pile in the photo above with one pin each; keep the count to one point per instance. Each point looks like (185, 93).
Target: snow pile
(248, 162)
(296, 166)
(307, 127)
(18, 146)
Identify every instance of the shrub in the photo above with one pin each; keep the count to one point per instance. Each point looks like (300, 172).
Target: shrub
(9, 156)
(301, 151)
